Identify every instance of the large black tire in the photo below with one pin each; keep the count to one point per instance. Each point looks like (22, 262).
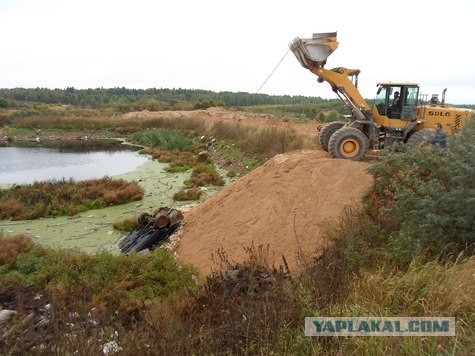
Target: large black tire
(348, 143)
(420, 137)
(327, 131)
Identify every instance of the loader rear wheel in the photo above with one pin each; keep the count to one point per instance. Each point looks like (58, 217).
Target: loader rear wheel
(420, 137)
(348, 143)
(327, 131)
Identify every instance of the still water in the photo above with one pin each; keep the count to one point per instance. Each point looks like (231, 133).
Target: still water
(24, 165)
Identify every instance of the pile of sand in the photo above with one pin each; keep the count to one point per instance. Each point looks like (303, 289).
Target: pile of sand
(283, 204)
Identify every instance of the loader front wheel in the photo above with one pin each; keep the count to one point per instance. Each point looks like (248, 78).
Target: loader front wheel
(327, 131)
(348, 143)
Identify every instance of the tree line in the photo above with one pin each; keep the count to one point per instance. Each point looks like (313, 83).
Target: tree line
(103, 97)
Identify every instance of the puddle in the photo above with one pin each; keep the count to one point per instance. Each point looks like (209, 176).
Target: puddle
(25, 165)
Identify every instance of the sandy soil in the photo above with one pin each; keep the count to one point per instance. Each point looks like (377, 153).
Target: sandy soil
(283, 205)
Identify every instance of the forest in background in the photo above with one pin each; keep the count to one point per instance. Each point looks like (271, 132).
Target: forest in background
(121, 100)
(113, 101)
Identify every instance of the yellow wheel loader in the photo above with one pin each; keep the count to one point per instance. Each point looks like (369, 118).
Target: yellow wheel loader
(399, 113)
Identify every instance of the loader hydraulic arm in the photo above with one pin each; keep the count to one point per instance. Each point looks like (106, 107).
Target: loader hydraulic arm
(312, 54)
(341, 83)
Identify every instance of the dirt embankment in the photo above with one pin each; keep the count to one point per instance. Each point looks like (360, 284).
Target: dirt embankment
(282, 204)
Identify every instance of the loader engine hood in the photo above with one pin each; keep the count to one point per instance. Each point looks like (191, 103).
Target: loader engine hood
(315, 50)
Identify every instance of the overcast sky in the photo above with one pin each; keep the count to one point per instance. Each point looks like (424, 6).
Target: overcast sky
(235, 45)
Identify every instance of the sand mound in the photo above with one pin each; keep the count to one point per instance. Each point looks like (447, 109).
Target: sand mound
(283, 204)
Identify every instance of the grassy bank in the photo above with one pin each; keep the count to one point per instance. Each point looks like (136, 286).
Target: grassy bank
(150, 305)
(65, 197)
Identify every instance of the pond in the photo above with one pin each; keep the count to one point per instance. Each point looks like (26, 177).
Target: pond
(24, 165)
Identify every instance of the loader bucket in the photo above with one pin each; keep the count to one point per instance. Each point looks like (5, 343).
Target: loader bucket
(314, 51)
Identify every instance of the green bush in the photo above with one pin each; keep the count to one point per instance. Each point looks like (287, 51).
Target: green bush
(426, 199)
(3, 103)
(102, 281)
(167, 139)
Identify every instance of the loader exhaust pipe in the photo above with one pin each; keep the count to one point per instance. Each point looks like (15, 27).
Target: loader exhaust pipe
(443, 95)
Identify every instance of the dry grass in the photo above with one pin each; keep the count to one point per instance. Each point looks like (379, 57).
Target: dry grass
(428, 290)
(205, 174)
(231, 131)
(188, 194)
(179, 161)
(91, 119)
(241, 309)
(272, 141)
(201, 175)
(90, 298)
(12, 247)
(266, 142)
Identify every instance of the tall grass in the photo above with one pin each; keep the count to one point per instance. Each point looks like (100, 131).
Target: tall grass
(160, 138)
(265, 142)
(272, 141)
(91, 120)
(424, 289)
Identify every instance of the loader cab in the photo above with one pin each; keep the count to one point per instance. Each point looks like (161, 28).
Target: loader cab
(404, 107)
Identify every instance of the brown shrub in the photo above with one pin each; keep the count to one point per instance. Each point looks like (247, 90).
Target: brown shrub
(111, 197)
(11, 247)
(205, 174)
(54, 198)
(188, 194)
(11, 208)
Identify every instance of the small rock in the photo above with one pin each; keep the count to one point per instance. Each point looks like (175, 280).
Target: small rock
(5, 315)
(111, 347)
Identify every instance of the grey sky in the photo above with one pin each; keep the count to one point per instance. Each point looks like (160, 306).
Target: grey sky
(234, 45)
